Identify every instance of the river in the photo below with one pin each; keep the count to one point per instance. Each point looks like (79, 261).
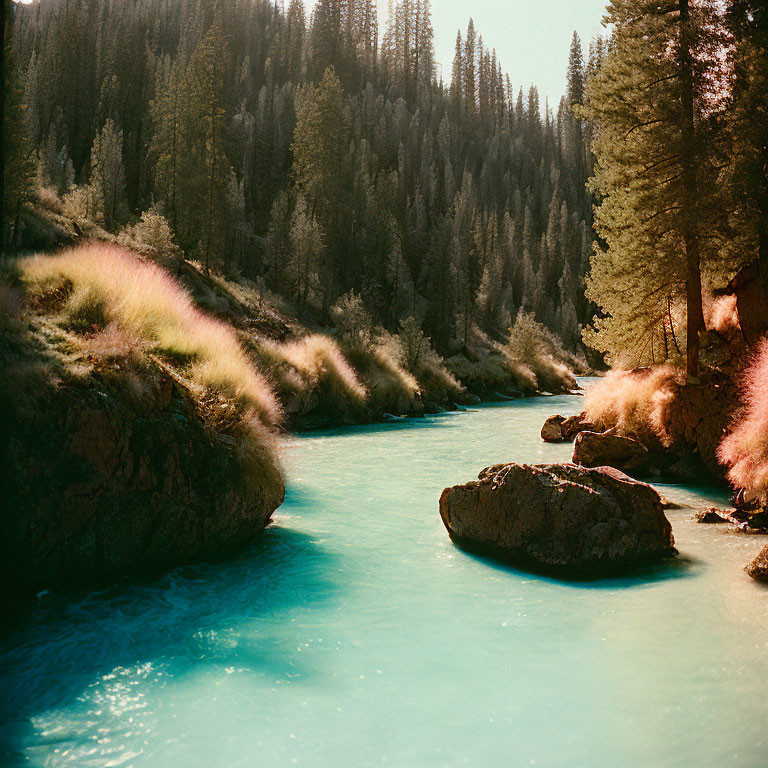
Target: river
(354, 633)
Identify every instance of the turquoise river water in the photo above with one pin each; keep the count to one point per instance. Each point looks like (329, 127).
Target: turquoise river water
(355, 634)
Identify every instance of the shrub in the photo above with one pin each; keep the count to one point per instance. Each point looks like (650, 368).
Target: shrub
(375, 355)
(744, 450)
(415, 353)
(634, 402)
(391, 389)
(77, 204)
(539, 350)
(353, 322)
(49, 200)
(493, 371)
(151, 235)
(103, 285)
(313, 365)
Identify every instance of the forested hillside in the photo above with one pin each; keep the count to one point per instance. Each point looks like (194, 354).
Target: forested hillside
(321, 155)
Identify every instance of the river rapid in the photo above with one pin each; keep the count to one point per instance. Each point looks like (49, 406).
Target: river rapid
(354, 633)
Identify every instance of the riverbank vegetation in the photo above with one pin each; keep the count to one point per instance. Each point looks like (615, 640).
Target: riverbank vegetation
(744, 451)
(676, 111)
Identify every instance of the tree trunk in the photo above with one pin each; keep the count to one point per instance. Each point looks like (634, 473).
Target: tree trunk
(694, 308)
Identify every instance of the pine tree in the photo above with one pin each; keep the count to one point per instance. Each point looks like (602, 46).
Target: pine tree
(204, 128)
(647, 102)
(107, 178)
(279, 242)
(168, 144)
(747, 173)
(319, 151)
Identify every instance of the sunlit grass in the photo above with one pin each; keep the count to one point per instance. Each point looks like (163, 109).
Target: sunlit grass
(313, 365)
(102, 285)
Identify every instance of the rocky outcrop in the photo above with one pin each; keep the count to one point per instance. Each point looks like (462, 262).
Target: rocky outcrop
(566, 519)
(596, 449)
(758, 568)
(559, 429)
(698, 418)
(104, 479)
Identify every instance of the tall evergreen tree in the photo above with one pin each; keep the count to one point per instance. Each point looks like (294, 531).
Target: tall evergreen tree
(747, 173)
(648, 102)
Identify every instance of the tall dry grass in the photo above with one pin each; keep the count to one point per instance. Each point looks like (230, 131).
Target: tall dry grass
(313, 366)
(635, 402)
(103, 285)
(391, 389)
(744, 450)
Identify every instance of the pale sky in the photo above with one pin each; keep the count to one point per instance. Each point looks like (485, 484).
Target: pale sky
(531, 37)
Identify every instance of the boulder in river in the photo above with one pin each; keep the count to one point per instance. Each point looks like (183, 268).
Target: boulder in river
(758, 568)
(561, 429)
(597, 449)
(561, 518)
(552, 431)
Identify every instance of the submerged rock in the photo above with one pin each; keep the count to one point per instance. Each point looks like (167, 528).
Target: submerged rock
(711, 517)
(597, 449)
(758, 568)
(573, 521)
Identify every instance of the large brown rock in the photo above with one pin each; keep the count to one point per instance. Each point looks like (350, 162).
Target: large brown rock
(596, 449)
(103, 481)
(758, 568)
(699, 416)
(573, 521)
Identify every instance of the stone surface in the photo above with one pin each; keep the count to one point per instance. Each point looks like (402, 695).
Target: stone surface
(570, 520)
(758, 568)
(552, 431)
(559, 429)
(102, 482)
(576, 424)
(711, 517)
(696, 422)
(596, 449)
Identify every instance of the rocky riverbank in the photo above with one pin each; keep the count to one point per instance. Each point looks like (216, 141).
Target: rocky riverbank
(141, 411)
(130, 441)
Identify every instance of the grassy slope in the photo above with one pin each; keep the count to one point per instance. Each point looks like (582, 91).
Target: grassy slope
(280, 364)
